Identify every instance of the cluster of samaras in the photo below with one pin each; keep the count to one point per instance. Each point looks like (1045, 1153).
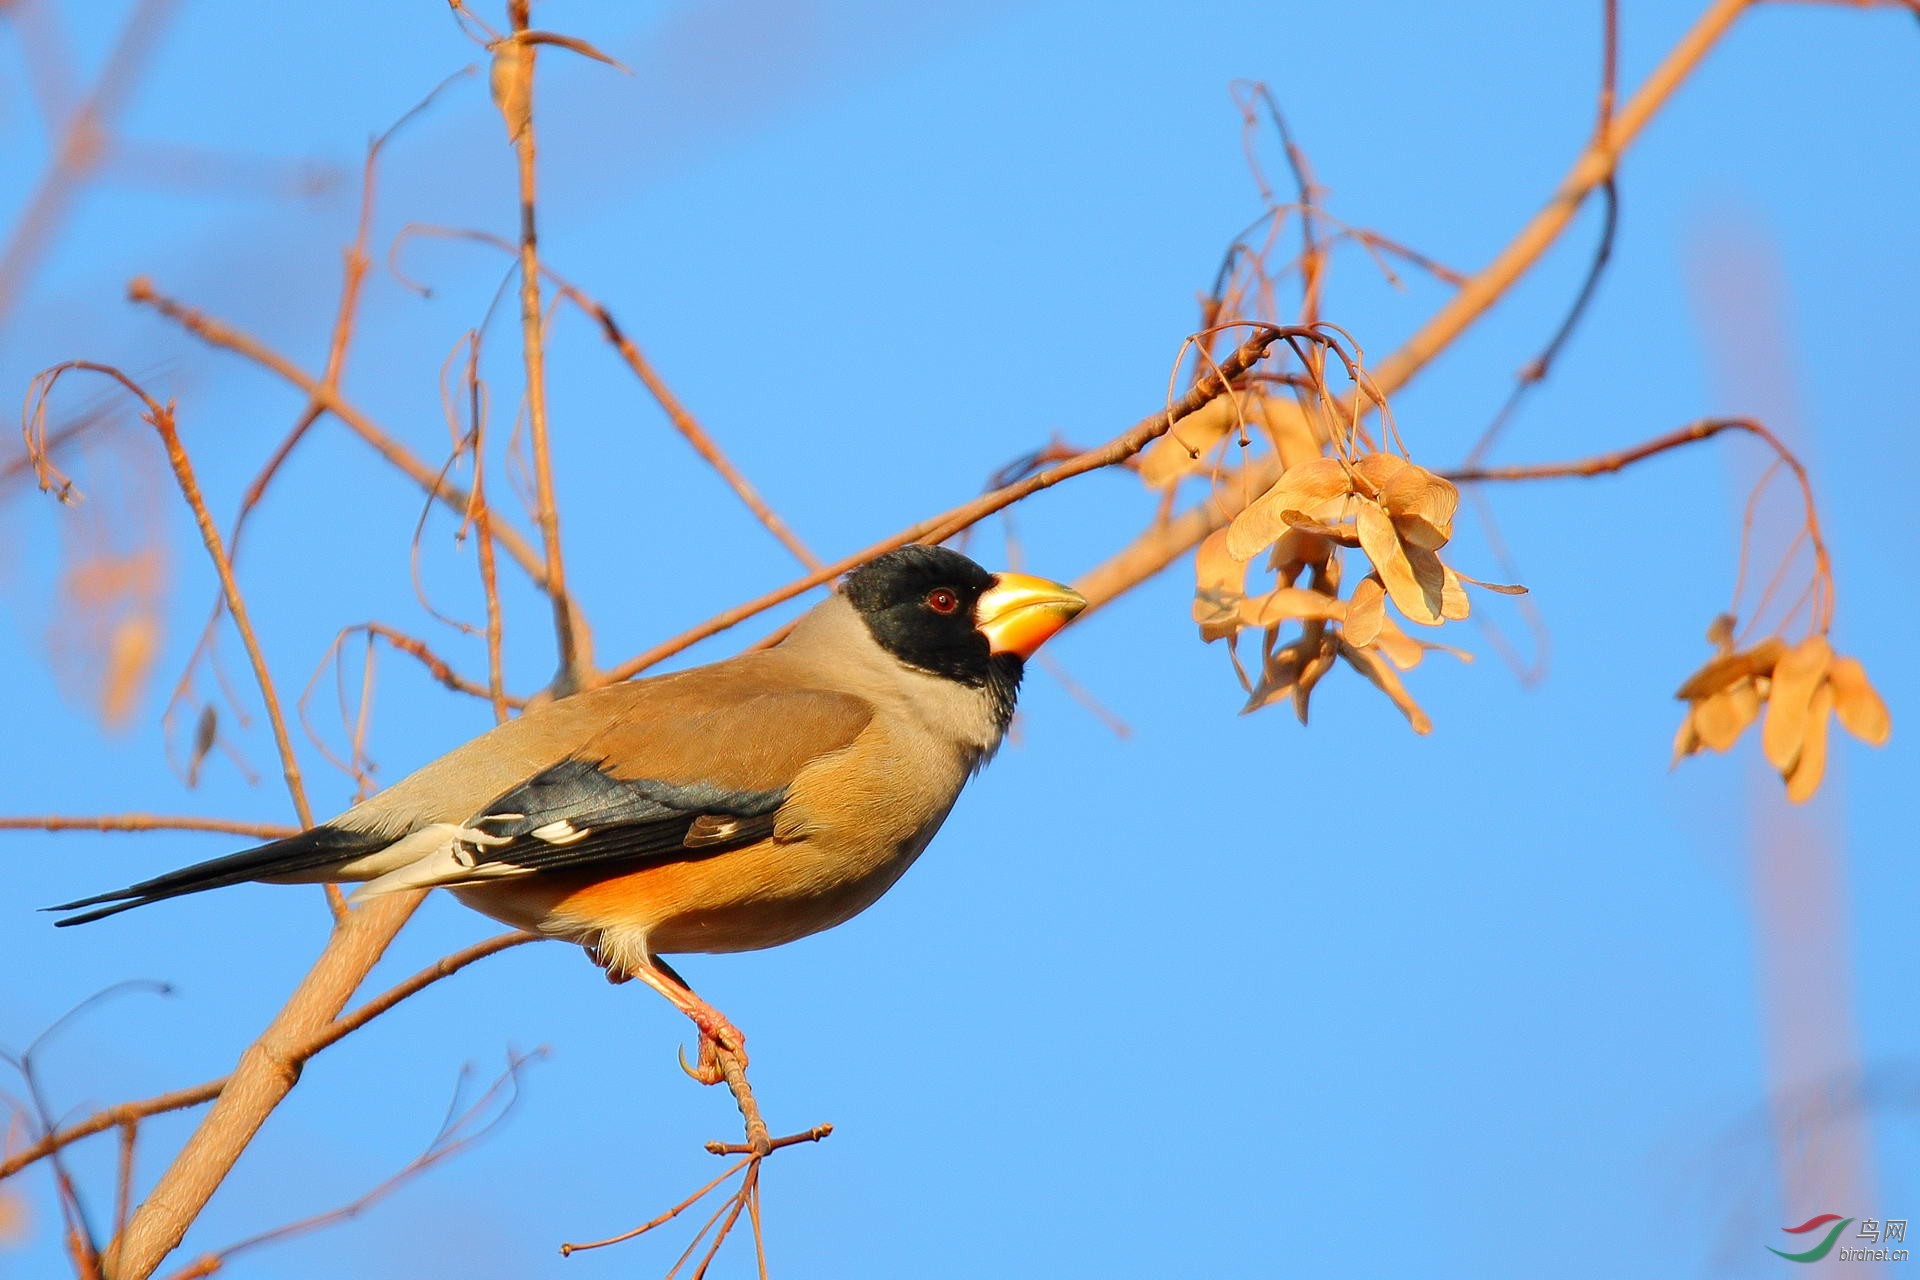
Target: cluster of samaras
(1397, 516)
(1801, 687)
(1348, 530)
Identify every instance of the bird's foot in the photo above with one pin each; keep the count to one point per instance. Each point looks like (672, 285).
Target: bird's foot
(717, 1035)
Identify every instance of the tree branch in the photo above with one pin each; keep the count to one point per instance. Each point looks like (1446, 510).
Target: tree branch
(1159, 546)
(575, 643)
(218, 334)
(945, 525)
(128, 1113)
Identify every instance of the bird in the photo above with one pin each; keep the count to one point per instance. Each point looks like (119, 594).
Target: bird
(730, 807)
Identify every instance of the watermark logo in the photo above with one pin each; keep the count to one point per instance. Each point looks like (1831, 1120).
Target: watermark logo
(1820, 1250)
(1831, 1225)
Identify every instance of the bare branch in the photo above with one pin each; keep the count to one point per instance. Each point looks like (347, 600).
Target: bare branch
(145, 822)
(945, 525)
(516, 56)
(161, 418)
(1159, 546)
(346, 1024)
(449, 494)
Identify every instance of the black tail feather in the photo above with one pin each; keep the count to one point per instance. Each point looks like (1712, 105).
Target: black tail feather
(308, 851)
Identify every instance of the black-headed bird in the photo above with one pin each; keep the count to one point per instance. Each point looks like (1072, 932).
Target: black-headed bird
(724, 808)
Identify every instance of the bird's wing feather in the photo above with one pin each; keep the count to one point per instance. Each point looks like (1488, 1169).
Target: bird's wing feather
(649, 789)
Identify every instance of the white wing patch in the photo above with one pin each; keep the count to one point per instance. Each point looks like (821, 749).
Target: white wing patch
(442, 853)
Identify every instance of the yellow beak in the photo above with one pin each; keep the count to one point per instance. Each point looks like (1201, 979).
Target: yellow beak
(1019, 613)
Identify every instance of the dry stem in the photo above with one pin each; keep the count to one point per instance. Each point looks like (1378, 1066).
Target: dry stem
(145, 822)
(676, 410)
(128, 1113)
(218, 334)
(575, 644)
(161, 417)
(941, 527)
(1159, 546)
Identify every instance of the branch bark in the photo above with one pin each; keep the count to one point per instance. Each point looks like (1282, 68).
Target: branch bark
(265, 1074)
(449, 494)
(1161, 545)
(575, 644)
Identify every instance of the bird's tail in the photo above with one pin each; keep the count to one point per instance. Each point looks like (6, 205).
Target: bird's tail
(309, 851)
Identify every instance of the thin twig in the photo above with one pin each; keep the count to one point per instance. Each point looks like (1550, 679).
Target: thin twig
(575, 643)
(355, 261)
(218, 334)
(161, 418)
(262, 1078)
(567, 1250)
(1619, 459)
(145, 822)
(677, 413)
(945, 525)
(482, 516)
(457, 1133)
(1160, 545)
(192, 1096)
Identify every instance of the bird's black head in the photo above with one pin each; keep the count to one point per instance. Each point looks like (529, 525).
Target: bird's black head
(939, 612)
(920, 603)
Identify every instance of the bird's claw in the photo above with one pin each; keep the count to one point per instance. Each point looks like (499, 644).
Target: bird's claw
(708, 1070)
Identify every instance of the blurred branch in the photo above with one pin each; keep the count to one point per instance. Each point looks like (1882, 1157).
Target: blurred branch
(335, 1031)
(78, 148)
(513, 80)
(945, 525)
(449, 494)
(1159, 546)
(146, 822)
(161, 418)
(457, 1132)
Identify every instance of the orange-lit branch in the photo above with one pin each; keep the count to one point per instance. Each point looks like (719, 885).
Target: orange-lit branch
(1620, 459)
(161, 418)
(945, 525)
(193, 1096)
(146, 822)
(677, 413)
(515, 56)
(219, 334)
(1159, 546)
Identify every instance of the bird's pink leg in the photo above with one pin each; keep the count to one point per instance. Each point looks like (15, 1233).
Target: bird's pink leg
(716, 1031)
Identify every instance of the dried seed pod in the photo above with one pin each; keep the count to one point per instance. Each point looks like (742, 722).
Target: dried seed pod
(1422, 505)
(1291, 604)
(1858, 705)
(1413, 577)
(1387, 680)
(1811, 764)
(1366, 611)
(1721, 718)
(1302, 489)
(1797, 677)
(1220, 588)
(511, 80)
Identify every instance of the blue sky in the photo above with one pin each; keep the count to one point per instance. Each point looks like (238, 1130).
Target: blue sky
(1240, 997)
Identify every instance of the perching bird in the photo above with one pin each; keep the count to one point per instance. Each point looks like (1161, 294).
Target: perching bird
(726, 808)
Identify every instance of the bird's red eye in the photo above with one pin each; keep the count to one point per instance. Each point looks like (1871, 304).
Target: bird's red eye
(941, 600)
